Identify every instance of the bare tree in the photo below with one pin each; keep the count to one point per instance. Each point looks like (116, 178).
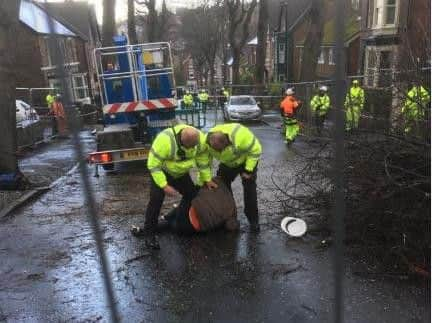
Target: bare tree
(133, 39)
(239, 18)
(262, 42)
(8, 29)
(202, 32)
(108, 26)
(157, 24)
(152, 18)
(312, 44)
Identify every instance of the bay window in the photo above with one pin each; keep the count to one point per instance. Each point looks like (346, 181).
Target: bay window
(384, 13)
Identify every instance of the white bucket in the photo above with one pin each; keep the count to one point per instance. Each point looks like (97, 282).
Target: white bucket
(293, 226)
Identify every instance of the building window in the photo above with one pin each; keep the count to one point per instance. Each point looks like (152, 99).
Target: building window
(71, 50)
(55, 84)
(390, 12)
(80, 87)
(376, 16)
(331, 58)
(384, 13)
(379, 66)
(46, 55)
(281, 54)
(65, 45)
(281, 77)
(385, 68)
(321, 57)
(355, 4)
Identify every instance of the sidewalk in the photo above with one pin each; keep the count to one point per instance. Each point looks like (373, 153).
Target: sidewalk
(45, 164)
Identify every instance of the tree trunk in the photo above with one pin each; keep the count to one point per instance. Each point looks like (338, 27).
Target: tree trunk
(262, 42)
(212, 75)
(312, 44)
(133, 39)
(239, 18)
(152, 21)
(163, 23)
(236, 66)
(8, 30)
(108, 27)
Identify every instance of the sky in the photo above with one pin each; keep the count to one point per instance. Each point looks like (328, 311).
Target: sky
(121, 8)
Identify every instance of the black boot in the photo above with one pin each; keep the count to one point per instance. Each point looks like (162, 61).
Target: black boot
(152, 242)
(150, 238)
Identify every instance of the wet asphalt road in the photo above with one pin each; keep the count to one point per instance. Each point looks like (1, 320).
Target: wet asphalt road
(50, 272)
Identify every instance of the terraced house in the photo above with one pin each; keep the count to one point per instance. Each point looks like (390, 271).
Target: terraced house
(76, 38)
(395, 37)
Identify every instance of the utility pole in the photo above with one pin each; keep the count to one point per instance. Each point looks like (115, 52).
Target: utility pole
(286, 42)
(9, 11)
(339, 207)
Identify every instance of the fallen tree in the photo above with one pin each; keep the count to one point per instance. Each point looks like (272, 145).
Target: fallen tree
(387, 180)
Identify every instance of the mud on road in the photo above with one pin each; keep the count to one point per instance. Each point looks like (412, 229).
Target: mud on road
(50, 271)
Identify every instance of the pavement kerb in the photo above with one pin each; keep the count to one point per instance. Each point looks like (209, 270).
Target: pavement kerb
(23, 200)
(27, 197)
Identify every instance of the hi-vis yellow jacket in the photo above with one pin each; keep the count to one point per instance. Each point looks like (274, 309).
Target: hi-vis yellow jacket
(167, 157)
(416, 102)
(244, 149)
(320, 104)
(203, 96)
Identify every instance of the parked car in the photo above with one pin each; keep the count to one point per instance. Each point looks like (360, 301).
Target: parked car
(242, 108)
(24, 112)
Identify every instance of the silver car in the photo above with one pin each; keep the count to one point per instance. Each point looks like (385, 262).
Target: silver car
(242, 108)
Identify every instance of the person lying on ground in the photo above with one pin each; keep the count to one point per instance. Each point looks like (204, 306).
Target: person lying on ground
(209, 210)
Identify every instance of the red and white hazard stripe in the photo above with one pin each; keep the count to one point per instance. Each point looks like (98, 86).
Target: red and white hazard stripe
(140, 105)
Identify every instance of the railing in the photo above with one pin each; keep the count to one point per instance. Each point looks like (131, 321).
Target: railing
(135, 73)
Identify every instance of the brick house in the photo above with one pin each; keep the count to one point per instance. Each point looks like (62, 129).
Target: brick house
(395, 37)
(288, 64)
(326, 60)
(80, 17)
(35, 66)
(248, 60)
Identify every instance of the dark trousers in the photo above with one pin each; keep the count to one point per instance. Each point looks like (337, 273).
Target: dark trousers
(228, 175)
(178, 219)
(319, 123)
(184, 185)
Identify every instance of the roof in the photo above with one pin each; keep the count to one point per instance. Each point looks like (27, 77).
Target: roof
(352, 27)
(78, 15)
(277, 14)
(37, 19)
(253, 41)
(300, 18)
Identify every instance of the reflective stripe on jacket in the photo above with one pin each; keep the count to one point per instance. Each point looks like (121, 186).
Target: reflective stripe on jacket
(355, 97)
(244, 149)
(166, 156)
(320, 104)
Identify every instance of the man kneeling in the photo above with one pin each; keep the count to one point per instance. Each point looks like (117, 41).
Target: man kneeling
(209, 210)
